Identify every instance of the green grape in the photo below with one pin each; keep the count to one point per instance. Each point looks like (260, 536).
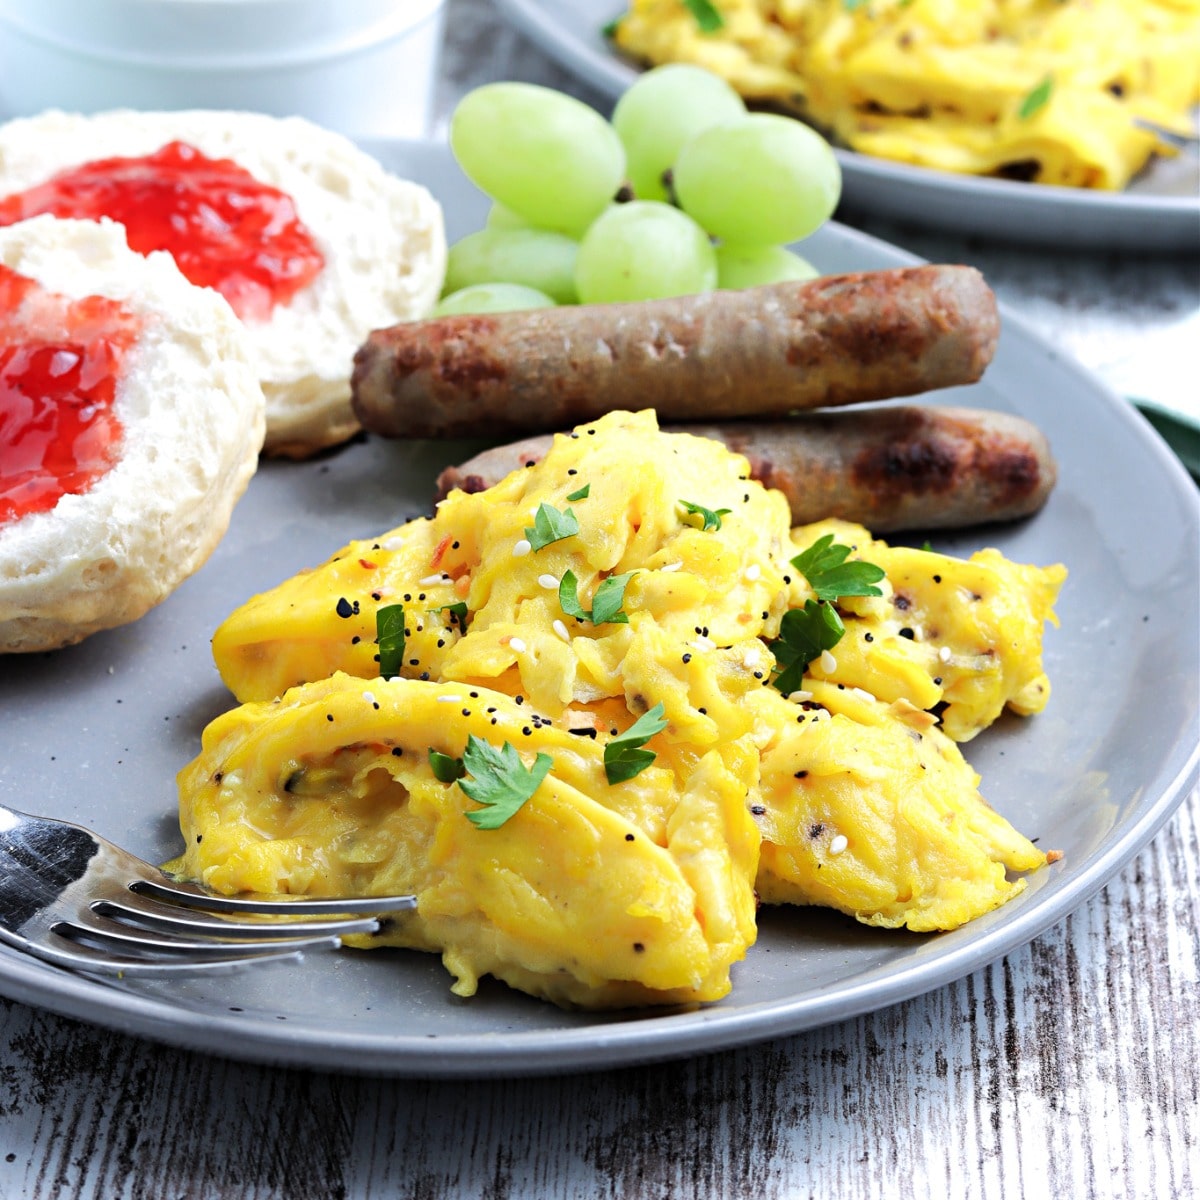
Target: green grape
(750, 266)
(763, 180)
(660, 111)
(491, 298)
(500, 217)
(643, 250)
(535, 258)
(548, 157)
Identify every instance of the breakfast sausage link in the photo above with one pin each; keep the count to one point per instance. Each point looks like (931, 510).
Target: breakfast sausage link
(893, 467)
(760, 352)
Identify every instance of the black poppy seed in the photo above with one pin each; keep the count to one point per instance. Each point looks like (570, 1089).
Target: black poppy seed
(376, 595)
(937, 579)
(937, 679)
(344, 608)
(199, 838)
(907, 633)
(495, 720)
(519, 699)
(801, 774)
(355, 640)
(408, 595)
(473, 695)
(787, 579)
(420, 595)
(218, 776)
(868, 637)
(466, 712)
(531, 462)
(815, 831)
(703, 710)
(414, 662)
(397, 751)
(572, 471)
(375, 704)
(591, 433)
(638, 947)
(424, 676)
(765, 615)
(758, 809)
(902, 603)
(440, 643)
(329, 716)
(758, 674)
(687, 658)
(629, 837)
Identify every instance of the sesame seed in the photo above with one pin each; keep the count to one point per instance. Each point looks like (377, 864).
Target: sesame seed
(429, 580)
(863, 694)
(671, 566)
(369, 697)
(752, 572)
(799, 697)
(945, 654)
(449, 699)
(522, 548)
(393, 543)
(561, 630)
(703, 643)
(839, 844)
(548, 581)
(828, 662)
(517, 644)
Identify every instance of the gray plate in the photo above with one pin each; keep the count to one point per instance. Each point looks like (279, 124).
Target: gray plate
(1161, 209)
(97, 732)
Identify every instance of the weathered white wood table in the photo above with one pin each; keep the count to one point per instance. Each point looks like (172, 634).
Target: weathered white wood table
(1067, 1070)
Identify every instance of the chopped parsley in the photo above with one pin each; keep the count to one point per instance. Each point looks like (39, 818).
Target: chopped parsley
(829, 575)
(550, 525)
(803, 634)
(458, 613)
(446, 767)
(606, 603)
(711, 518)
(707, 17)
(623, 756)
(582, 493)
(1036, 99)
(499, 780)
(389, 635)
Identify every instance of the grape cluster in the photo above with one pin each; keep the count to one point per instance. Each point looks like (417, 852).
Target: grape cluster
(683, 191)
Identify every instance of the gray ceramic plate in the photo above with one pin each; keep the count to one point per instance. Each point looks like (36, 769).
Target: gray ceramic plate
(96, 733)
(1161, 210)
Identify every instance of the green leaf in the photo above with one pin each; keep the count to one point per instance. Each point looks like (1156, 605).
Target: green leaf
(499, 780)
(389, 635)
(706, 14)
(582, 493)
(610, 29)
(803, 634)
(606, 603)
(446, 767)
(458, 613)
(829, 575)
(711, 519)
(623, 756)
(1036, 99)
(550, 525)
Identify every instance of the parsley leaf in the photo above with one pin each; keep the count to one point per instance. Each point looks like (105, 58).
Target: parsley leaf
(711, 519)
(550, 525)
(446, 767)
(623, 756)
(389, 635)
(706, 14)
(803, 634)
(606, 603)
(499, 780)
(1036, 99)
(829, 575)
(458, 613)
(582, 493)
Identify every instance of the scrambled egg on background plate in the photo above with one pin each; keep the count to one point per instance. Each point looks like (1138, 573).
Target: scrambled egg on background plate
(587, 765)
(1042, 90)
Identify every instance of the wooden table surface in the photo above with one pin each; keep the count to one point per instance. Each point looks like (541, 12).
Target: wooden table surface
(1066, 1070)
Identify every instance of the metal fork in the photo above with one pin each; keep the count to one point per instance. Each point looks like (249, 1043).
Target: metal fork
(74, 899)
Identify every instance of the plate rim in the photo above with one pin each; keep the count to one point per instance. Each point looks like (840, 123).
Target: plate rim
(662, 1036)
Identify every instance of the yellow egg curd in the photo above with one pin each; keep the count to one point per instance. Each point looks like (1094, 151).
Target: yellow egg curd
(607, 626)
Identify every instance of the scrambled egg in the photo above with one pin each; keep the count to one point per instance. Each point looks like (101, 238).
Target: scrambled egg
(1041, 90)
(849, 792)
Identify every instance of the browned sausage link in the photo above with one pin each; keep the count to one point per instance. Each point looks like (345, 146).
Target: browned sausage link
(761, 352)
(890, 468)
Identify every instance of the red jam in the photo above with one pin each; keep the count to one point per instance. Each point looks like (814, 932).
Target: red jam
(225, 229)
(60, 362)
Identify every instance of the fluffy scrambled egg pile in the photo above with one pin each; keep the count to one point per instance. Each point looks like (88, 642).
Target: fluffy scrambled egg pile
(1041, 90)
(582, 758)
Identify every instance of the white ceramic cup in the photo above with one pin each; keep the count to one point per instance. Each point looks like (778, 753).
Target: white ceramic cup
(365, 68)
